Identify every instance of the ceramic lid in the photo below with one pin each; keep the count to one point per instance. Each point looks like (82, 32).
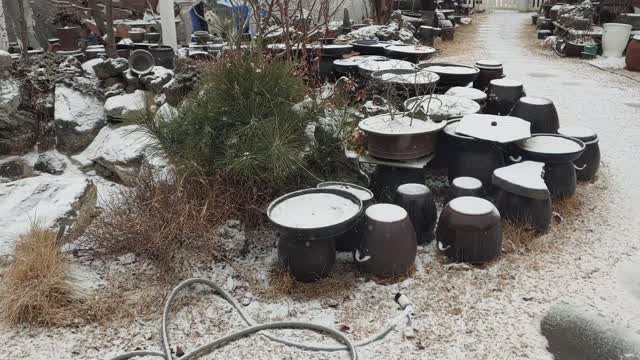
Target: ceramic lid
(502, 129)
(489, 64)
(398, 124)
(413, 189)
(407, 77)
(363, 194)
(467, 182)
(579, 132)
(535, 100)
(549, 144)
(386, 212)
(411, 49)
(468, 93)
(506, 83)
(313, 210)
(387, 64)
(524, 179)
(471, 205)
(357, 60)
(636, 37)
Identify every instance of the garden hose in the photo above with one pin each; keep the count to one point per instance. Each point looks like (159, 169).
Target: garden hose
(254, 327)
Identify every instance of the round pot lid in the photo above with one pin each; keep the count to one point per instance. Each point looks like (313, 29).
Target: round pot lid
(441, 107)
(451, 128)
(411, 49)
(551, 148)
(386, 213)
(471, 205)
(362, 193)
(579, 132)
(467, 93)
(371, 43)
(636, 37)
(354, 61)
(538, 101)
(141, 62)
(413, 189)
(398, 124)
(406, 77)
(451, 69)
(501, 129)
(489, 64)
(467, 182)
(506, 83)
(314, 209)
(371, 66)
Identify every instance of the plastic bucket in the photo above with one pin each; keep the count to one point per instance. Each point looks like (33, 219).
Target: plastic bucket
(614, 39)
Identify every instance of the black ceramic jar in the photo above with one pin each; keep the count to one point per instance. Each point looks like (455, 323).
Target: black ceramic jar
(540, 112)
(418, 201)
(588, 163)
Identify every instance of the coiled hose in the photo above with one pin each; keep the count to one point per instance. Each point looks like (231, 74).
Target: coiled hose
(254, 327)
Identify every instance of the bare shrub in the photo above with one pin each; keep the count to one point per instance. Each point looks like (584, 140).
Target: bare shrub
(37, 289)
(171, 220)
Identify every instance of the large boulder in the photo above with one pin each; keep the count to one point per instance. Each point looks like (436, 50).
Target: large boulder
(110, 68)
(17, 126)
(157, 78)
(87, 66)
(50, 200)
(51, 162)
(118, 152)
(9, 95)
(78, 118)
(126, 107)
(14, 168)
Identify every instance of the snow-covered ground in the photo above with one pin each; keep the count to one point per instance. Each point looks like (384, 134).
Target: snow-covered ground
(490, 312)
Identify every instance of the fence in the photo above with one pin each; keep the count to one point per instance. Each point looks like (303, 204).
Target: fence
(511, 4)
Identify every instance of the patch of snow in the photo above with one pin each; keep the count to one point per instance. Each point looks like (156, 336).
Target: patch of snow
(502, 129)
(371, 66)
(417, 77)
(82, 112)
(87, 66)
(467, 182)
(467, 93)
(115, 145)
(315, 210)
(47, 199)
(579, 132)
(386, 212)
(411, 49)
(357, 60)
(9, 95)
(471, 205)
(457, 70)
(550, 145)
(126, 107)
(166, 113)
(413, 189)
(386, 124)
(527, 174)
(609, 63)
(442, 107)
(506, 83)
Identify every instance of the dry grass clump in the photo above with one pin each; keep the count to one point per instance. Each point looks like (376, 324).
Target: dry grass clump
(517, 237)
(37, 289)
(569, 208)
(335, 287)
(171, 221)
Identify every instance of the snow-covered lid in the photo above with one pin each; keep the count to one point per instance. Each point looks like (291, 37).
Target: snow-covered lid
(453, 70)
(361, 193)
(313, 210)
(550, 145)
(535, 100)
(467, 182)
(385, 124)
(506, 83)
(386, 212)
(413, 189)
(636, 37)
(450, 129)
(416, 77)
(489, 64)
(524, 179)
(386, 64)
(411, 49)
(502, 129)
(442, 107)
(329, 46)
(471, 205)
(467, 93)
(578, 132)
(357, 60)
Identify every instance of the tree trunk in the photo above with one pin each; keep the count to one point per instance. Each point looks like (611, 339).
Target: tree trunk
(23, 35)
(111, 40)
(96, 13)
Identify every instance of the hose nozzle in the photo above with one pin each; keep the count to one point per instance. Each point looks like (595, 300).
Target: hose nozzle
(403, 301)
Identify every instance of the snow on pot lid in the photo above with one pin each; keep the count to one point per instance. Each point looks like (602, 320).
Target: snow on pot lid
(385, 124)
(411, 49)
(524, 179)
(314, 209)
(386, 213)
(506, 83)
(363, 194)
(371, 66)
(550, 144)
(467, 182)
(489, 64)
(371, 43)
(471, 205)
(413, 189)
(502, 129)
(453, 69)
(354, 61)
(407, 77)
(578, 132)
(467, 93)
(441, 107)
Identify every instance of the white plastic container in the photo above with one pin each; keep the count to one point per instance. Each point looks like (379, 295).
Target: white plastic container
(615, 39)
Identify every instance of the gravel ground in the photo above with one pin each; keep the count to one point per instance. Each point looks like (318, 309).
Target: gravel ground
(488, 312)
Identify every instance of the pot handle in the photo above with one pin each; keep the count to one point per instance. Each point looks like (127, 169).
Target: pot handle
(578, 167)
(441, 247)
(361, 259)
(515, 160)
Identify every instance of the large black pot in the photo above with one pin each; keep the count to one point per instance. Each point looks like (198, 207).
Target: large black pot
(503, 95)
(163, 55)
(525, 210)
(451, 79)
(306, 260)
(472, 157)
(588, 163)
(540, 112)
(489, 70)
(369, 47)
(349, 66)
(469, 230)
(418, 201)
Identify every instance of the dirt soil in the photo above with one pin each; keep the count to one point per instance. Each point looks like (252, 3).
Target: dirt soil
(462, 312)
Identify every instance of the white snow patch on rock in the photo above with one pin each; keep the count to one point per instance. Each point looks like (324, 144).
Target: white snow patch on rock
(126, 107)
(9, 95)
(47, 199)
(87, 67)
(115, 145)
(83, 112)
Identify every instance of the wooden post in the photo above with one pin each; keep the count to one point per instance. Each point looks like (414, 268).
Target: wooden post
(168, 21)
(22, 31)
(111, 39)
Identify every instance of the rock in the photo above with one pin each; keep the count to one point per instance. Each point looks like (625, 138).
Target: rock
(50, 162)
(120, 150)
(87, 67)
(157, 78)
(17, 131)
(71, 66)
(126, 107)
(10, 95)
(166, 113)
(78, 118)
(115, 90)
(126, 259)
(14, 169)
(51, 200)
(110, 68)
(112, 81)
(5, 59)
(133, 83)
(233, 224)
